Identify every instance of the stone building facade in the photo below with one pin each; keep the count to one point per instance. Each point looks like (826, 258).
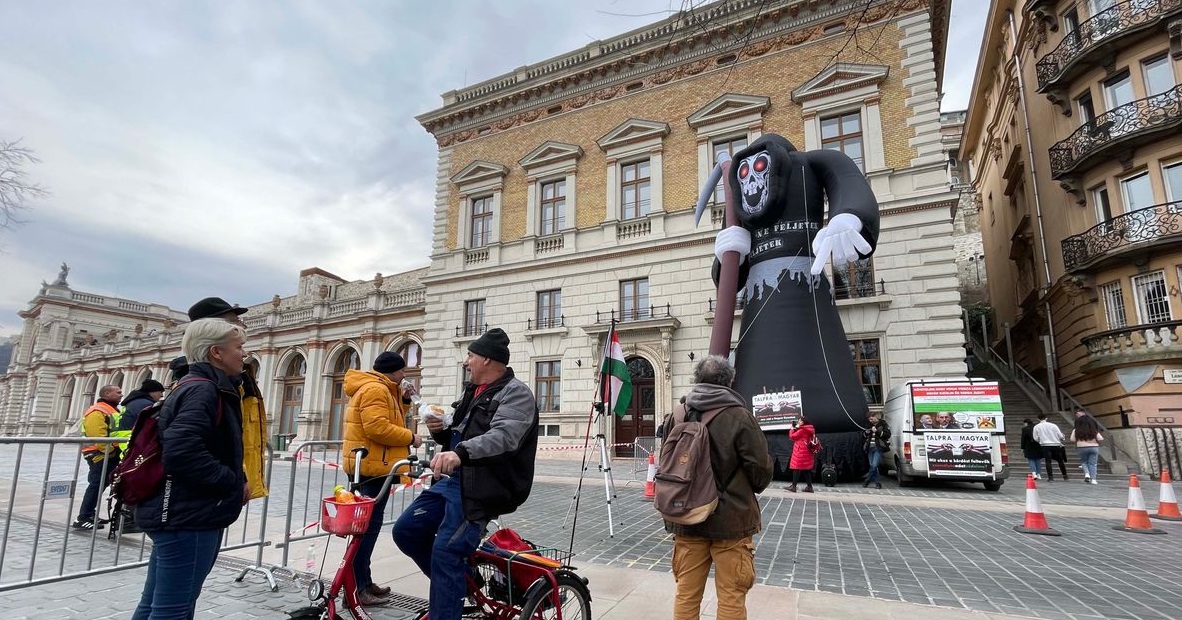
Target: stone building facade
(564, 199)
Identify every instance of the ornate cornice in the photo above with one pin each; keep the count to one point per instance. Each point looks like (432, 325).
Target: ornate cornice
(649, 59)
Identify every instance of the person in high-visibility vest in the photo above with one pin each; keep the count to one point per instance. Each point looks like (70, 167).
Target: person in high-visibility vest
(136, 401)
(101, 457)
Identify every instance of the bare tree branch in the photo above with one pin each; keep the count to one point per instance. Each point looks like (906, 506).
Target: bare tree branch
(15, 189)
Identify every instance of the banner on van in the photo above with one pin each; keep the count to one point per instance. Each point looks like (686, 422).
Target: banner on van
(958, 452)
(776, 410)
(957, 407)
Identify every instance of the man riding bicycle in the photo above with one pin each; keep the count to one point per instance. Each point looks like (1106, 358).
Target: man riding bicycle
(487, 449)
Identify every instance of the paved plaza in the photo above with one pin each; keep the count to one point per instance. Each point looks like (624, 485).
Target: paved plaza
(935, 548)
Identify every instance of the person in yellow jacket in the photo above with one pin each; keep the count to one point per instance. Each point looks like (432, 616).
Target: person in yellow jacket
(376, 421)
(254, 416)
(101, 458)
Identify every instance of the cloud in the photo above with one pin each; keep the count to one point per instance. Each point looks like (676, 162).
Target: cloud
(197, 148)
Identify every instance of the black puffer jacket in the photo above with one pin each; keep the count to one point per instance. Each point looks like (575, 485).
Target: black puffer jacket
(133, 404)
(202, 454)
(498, 444)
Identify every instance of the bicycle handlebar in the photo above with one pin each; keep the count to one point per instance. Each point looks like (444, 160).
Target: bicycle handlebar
(417, 469)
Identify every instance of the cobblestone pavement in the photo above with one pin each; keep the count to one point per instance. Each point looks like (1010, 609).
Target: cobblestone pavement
(920, 547)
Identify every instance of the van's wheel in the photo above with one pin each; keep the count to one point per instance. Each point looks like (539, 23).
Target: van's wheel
(904, 479)
(993, 485)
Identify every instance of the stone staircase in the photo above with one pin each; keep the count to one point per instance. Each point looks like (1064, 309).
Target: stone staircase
(1017, 407)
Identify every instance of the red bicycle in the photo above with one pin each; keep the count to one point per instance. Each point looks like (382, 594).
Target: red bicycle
(509, 578)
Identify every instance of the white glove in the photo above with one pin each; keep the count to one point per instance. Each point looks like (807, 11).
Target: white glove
(733, 239)
(842, 239)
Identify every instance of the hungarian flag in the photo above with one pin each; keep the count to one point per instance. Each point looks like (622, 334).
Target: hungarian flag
(617, 385)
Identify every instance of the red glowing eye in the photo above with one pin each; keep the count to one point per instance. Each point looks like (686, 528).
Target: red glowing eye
(744, 170)
(760, 165)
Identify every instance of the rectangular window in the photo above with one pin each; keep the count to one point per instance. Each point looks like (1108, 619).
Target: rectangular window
(548, 384)
(1087, 111)
(482, 218)
(1136, 192)
(1070, 21)
(549, 311)
(1172, 177)
(1119, 90)
(553, 206)
(550, 430)
(1153, 301)
(1114, 305)
(634, 189)
(474, 317)
(844, 133)
(1102, 205)
(730, 147)
(1159, 75)
(634, 300)
(855, 280)
(868, 362)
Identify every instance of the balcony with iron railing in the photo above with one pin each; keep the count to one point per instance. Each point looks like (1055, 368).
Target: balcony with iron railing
(1135, 230)
(1118, 129)
(635, 313)
(1098, 37)
(545, 322)
(1153, 342)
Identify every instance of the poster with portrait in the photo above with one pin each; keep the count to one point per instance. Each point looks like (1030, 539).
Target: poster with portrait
(957, 407)
(952, 453)
(776, 410)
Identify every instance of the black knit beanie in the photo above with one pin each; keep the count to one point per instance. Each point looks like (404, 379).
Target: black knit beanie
(389, 362)
(494, 345)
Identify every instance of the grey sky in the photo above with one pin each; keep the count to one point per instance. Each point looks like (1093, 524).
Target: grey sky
(217, 148)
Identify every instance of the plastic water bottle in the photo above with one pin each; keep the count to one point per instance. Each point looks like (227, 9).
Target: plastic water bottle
(407, 385)
(310, 559)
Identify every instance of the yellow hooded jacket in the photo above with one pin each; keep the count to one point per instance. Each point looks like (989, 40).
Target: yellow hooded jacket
(96, 422)
(254, 423)
(375, 420)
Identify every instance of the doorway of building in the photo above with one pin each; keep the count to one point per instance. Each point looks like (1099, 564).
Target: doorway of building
(640, 419)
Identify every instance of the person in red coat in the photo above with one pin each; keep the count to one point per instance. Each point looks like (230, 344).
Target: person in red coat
(803, 461)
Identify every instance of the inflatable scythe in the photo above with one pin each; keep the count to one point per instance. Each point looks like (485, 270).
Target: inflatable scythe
(774, 248)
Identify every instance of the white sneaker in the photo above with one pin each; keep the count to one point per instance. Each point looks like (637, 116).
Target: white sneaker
(1093, 482)
(1037, 477)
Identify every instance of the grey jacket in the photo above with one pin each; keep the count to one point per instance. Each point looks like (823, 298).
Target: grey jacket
(738, 452)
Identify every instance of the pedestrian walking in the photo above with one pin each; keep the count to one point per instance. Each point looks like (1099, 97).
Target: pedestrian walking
(1031, 449)
(803, 460)
(1050, 439)
(1087, 438)
(876, 442)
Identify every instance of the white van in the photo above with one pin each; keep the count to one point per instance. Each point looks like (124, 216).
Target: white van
(949, 429)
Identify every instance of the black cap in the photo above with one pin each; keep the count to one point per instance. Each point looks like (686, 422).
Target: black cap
(179, 367)
(211, 308)
(389, 362)
(151, 385)
(493, 344)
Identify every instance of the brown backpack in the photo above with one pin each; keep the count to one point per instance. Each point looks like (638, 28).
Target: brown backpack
(686, 491)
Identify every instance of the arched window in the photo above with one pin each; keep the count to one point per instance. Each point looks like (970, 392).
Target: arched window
(66, 400)
(413, 354)
(89, 392)
(117, 379)
(346, 361)
(293, 394)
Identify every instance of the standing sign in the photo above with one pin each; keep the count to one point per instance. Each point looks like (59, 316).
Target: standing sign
(957, 407)
(776, 410)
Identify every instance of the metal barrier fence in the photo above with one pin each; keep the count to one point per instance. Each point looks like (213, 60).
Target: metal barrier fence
(641, 448)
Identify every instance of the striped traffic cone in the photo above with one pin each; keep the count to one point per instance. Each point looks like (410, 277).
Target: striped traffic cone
(1137, 518)
(1035, 521)
(650, 485)
(1167, 503)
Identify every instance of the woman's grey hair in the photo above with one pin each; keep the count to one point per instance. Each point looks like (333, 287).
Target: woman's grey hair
(204, 334)
(715, 370)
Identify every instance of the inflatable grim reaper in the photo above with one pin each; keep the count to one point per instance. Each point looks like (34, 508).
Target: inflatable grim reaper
(773, 249)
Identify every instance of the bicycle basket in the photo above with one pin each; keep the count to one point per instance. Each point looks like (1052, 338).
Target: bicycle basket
(345, 519)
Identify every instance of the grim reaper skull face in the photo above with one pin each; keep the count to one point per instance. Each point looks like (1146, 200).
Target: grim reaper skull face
(753, 173)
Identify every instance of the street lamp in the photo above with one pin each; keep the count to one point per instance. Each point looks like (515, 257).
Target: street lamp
(976, 259)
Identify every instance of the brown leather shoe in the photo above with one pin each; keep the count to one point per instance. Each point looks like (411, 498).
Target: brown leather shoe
(370, 600)
(377, 590)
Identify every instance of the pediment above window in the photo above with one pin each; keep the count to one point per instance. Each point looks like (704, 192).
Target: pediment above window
(551, 152)
(478, 171)
(632, 131)
(728, 107)
(838, 78)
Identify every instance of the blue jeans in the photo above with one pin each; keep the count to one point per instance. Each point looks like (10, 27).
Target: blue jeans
(433, 532)
(1035, 466)
(370, 488)
(1089, 456)
(875, 460)
(180, 562)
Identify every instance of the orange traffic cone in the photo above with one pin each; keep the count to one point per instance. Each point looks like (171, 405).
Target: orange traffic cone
(1137, 518)
(1036, 521)
(650, 485)
(1167, 504)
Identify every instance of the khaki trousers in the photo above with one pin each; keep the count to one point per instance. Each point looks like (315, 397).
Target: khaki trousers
(734, 574)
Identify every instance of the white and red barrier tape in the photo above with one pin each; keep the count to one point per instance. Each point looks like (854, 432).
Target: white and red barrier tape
(589, 447)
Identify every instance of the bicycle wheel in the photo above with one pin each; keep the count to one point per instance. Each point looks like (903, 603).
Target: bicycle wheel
(572, 594)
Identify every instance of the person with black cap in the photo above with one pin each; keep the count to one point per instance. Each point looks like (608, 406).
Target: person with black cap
(376, 420)
(254, 415)
(136, 401)
(487, 450)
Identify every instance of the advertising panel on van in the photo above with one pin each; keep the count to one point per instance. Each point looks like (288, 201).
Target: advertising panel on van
(960, 407)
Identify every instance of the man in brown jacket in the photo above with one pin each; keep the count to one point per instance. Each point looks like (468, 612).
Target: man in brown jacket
(738, 453)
